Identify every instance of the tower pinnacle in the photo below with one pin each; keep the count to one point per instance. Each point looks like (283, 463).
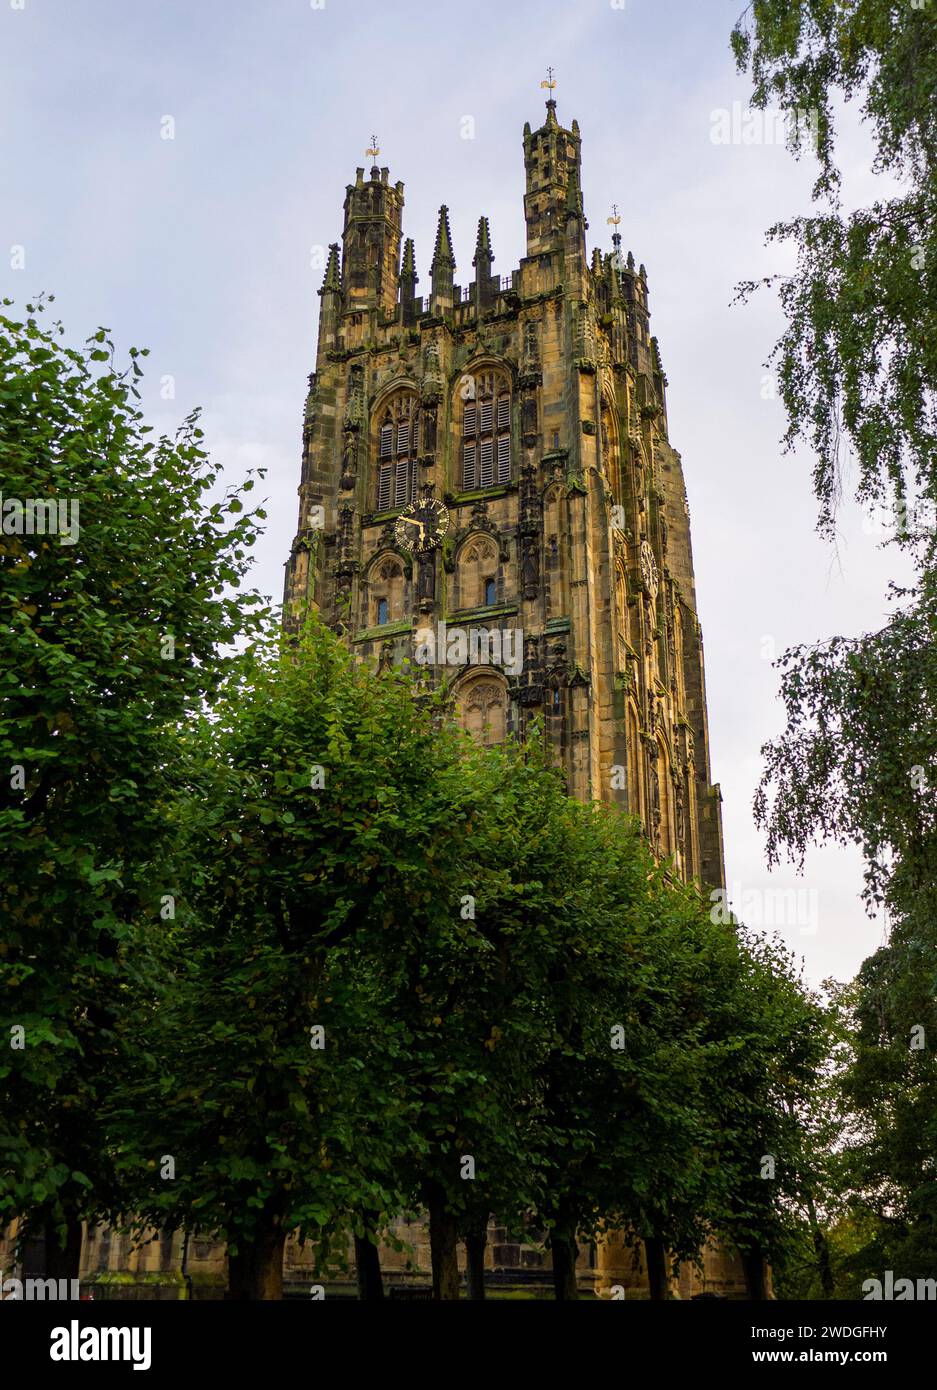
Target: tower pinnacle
(442, 252)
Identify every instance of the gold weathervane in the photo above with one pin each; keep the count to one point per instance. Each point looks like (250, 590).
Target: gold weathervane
(548, 80)
(614, 219)
(375, 149)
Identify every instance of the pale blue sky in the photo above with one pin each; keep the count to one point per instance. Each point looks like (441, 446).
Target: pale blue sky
(199, 248)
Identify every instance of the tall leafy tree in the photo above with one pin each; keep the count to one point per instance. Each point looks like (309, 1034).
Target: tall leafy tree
(119, 580)
(857, 364)
(679, 1042)
(321, 825)
(858, 372)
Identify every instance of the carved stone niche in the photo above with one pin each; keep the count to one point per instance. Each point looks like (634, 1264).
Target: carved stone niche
(529, 421)
(530, 562)
(354, 408)
(679, 791)
(426, 582)
(349, 461)
(429, 433)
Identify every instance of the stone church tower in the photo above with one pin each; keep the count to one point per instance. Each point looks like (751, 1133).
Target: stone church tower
(492, 460)
(495, 457)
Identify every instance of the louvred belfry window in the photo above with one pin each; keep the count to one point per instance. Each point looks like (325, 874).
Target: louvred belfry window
(486, 433)
(397, 444)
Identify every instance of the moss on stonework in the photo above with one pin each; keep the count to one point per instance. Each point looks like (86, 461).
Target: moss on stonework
(373, 634)
(487, 493)
(494, 612)
(108, 1277)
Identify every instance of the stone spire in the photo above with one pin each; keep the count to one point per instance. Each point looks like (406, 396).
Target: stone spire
(408, 275)
(333, 279)
(483, 256)
(442, 251)
(443, 266)
(407, 280)
(330, 305)
(482, 263)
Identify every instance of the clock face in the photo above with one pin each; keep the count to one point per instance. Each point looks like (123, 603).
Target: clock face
(649, 568)
(422, 525)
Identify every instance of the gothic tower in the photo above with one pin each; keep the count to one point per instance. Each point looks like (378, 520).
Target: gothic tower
(488, 487)
(495, 457)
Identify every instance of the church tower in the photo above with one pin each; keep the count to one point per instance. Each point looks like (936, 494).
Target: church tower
(488, 487)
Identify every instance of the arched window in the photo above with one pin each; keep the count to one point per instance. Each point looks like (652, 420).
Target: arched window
(635, 775)
(611, 450)
(486, 432)
(476, 571)
(678, 657)
(482, 704)
(387, 591)
(665, 794)
(621, 600)
(397, 445)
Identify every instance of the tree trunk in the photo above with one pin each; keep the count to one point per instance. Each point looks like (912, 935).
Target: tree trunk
(62, 1261)
(442, 1244)
(565, 1250)
(756, 1274)
(656, 1258)
(821, 1248)
(475, 1242)
(256, 1272)
(368, 1269)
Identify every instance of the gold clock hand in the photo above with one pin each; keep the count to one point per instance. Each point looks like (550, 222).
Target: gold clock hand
(413, 522)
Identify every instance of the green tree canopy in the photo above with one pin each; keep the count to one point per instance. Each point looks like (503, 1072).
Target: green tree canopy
(118, 579)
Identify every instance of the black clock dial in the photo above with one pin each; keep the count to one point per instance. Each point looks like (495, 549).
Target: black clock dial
(422, 525)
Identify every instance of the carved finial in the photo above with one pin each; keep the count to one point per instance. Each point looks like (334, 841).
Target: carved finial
(442, 252)
(483, 254)
(332, 280)
(409, 259)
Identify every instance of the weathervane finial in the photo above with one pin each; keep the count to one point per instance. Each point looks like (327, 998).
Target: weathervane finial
(375, 149)
(548, 81)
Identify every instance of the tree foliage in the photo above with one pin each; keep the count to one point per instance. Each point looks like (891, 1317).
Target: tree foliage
(857, 364)
(110, 627)
(522, 1015)
(856, 760)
